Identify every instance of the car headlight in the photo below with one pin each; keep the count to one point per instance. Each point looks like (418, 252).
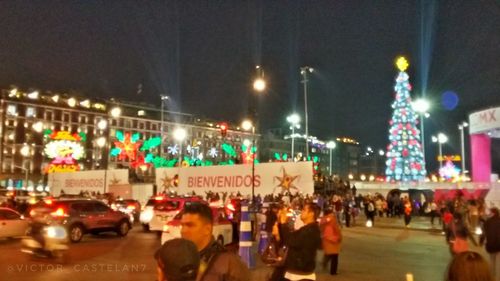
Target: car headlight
(147, 215)
(56, 232)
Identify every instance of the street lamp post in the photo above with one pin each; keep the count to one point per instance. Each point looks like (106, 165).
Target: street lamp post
(180, 135)
(440, 139)
(115, 113)
(462, 127)
(330, 145)
(25, 152)
(422, 106)
(304, 71)
(163, 99)
(247, 125)
(294, 120)
(259, 86)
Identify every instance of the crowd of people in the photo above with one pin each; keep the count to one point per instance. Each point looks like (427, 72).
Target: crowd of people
(298, 225)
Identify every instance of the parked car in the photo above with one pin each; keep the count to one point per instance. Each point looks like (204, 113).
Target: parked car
(81, 216)
(222, 229)
(167, 209)
(12, 223)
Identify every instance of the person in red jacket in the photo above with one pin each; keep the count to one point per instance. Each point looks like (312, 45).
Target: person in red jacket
(331, 236)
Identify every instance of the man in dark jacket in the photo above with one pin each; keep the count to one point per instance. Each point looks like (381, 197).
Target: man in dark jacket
(216, 264)
(492, 236)
(302, 245)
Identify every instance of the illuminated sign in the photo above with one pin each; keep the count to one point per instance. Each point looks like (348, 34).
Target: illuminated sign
(453, 158)
(64, 149)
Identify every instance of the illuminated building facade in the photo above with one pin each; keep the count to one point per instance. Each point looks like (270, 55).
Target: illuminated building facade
(27, 119)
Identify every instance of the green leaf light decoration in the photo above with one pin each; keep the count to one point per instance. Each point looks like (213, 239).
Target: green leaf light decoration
(83, 136)
(149, 158)
(150, 143)
(135, 137)
(277, 156)
(115, 151)
(120, 136)
(229, 149)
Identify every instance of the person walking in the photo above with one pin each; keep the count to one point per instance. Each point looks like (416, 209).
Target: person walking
(407, 212)
(331, 238)
(216, 263)
(492, 236)
(457, 235)
(370, 211)
(434, 211)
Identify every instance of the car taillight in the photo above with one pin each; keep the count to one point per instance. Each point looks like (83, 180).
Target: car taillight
(131, 207)
(159, 198)
(48, 201)
(59, 213)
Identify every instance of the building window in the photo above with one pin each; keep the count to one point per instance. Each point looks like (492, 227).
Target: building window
(10, 136)
(30, 112)
(12, 110)
(141, 125)
(128, 123)
(154, 127)
(83, 119)
(48, 115)
(66, 117)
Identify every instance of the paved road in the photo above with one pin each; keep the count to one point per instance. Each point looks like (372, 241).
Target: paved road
(384, 253)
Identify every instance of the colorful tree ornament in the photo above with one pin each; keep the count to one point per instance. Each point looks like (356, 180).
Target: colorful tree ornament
(404, 152)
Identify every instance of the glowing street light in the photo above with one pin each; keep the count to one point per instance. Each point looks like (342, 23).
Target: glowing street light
(331, 145)
(38, 126)
(103, 124)
(72, 102)
(33, 95)
(259, 84)
(180, 135)
(116, 112)
(440, 139)
(13, 92)
(101, 142)
(25, 150)
(246, 125)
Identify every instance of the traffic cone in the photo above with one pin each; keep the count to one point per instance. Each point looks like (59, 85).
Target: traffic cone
(245, 250)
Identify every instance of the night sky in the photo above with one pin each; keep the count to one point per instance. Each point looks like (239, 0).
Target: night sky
(203, 54)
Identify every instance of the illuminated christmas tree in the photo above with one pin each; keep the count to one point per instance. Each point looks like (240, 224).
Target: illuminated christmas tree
(404, 152)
